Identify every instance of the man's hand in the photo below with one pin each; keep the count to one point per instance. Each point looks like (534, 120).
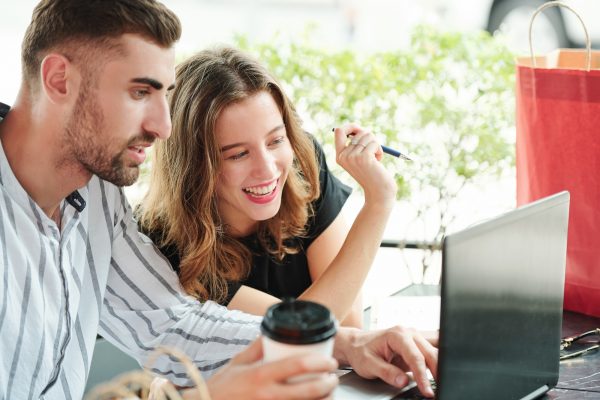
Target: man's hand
(388, 355)
(245, 377)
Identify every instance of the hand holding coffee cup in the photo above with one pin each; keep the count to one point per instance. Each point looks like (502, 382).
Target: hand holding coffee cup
(295, 327)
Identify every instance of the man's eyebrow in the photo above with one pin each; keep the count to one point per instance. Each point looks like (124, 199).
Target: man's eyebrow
(152, 82)
(231, 146)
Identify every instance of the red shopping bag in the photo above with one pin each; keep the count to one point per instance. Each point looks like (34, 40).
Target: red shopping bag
(558, 148)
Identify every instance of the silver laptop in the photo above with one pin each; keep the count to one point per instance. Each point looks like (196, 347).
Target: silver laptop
(501, 310)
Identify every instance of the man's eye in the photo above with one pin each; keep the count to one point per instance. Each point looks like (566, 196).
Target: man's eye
(139, 93)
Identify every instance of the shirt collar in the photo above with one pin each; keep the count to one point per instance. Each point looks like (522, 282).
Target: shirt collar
(11, 184)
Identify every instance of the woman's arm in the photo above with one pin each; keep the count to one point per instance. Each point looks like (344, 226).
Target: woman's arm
(342, 261)
(321, 253)
(251, 301)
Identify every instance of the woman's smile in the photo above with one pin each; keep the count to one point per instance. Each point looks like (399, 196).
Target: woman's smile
(262, 194)
(261, 190)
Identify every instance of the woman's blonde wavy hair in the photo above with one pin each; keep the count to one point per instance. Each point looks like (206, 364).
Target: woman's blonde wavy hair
(181, 202)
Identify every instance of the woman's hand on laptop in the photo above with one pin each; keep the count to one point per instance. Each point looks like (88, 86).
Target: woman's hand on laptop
(389, 354)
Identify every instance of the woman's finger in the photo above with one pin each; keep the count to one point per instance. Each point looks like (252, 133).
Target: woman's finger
(342, 133)
(364, 143)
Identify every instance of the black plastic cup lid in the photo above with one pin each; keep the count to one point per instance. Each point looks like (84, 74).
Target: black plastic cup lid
(298, 322)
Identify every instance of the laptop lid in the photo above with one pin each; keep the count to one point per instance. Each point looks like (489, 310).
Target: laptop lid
(501, 311)
(502, 298)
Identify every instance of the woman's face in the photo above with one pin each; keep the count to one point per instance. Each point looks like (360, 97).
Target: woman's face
(256, 160)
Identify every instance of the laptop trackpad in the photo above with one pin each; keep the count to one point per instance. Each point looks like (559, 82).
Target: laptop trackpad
(353, 387)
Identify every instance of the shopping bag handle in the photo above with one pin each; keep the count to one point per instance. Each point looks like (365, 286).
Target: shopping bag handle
(588, 43)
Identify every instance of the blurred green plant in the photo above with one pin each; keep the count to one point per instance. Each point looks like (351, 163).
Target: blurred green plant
(447, 100)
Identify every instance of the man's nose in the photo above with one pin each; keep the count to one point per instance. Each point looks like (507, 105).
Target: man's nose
(158, 120)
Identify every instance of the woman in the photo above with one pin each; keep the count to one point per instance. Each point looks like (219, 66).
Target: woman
(241, 200)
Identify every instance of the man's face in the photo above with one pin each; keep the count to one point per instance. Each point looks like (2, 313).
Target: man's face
(115, 119)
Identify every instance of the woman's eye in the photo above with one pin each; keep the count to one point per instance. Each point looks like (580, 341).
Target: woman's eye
(278, 140)
(237, 156)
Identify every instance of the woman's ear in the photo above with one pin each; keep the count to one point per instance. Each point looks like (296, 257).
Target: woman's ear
(59, 78)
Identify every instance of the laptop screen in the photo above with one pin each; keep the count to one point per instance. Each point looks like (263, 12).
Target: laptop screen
(502, 296)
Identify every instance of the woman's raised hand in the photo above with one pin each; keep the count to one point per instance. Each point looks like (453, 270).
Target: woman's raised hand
(359, 153)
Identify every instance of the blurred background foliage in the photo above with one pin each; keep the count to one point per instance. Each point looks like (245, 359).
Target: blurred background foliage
(447, 101)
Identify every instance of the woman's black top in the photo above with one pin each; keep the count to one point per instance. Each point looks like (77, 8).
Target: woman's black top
(289, 277)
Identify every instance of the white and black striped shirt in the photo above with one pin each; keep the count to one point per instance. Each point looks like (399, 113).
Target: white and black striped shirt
(58, 289)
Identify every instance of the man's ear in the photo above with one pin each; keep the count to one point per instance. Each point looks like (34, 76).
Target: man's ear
(59, 78)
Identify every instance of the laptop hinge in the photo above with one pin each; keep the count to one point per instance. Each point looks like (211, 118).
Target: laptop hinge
(537, 393)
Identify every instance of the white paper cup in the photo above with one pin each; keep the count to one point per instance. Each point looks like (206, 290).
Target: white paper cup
(296, 327)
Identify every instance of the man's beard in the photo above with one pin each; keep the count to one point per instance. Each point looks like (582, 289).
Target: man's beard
(89, 145)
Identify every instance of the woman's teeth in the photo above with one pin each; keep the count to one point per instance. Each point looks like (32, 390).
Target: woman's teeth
(261, 190)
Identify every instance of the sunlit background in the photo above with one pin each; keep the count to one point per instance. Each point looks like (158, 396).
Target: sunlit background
(363, 27)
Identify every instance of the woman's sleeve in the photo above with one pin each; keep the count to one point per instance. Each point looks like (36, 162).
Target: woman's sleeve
(170, 251)
(232, 289)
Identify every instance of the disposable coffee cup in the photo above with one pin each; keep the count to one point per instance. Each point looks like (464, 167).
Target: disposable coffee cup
(295, 327)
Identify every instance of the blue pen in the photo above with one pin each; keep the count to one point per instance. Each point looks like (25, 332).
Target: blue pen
(395, 153)
(392, 152)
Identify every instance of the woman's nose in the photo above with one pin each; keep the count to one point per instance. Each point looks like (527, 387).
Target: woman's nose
(264, 165)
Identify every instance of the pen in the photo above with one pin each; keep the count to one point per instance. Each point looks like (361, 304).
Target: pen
(392, 152)
(395, 153)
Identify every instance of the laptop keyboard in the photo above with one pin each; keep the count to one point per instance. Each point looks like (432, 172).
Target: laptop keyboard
(414, 394)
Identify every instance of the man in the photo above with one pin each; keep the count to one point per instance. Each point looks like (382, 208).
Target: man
(92, 100)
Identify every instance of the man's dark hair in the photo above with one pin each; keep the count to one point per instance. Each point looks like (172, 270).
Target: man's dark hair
(93, 24)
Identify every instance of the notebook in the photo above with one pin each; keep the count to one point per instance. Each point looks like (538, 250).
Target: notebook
(501, 308)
